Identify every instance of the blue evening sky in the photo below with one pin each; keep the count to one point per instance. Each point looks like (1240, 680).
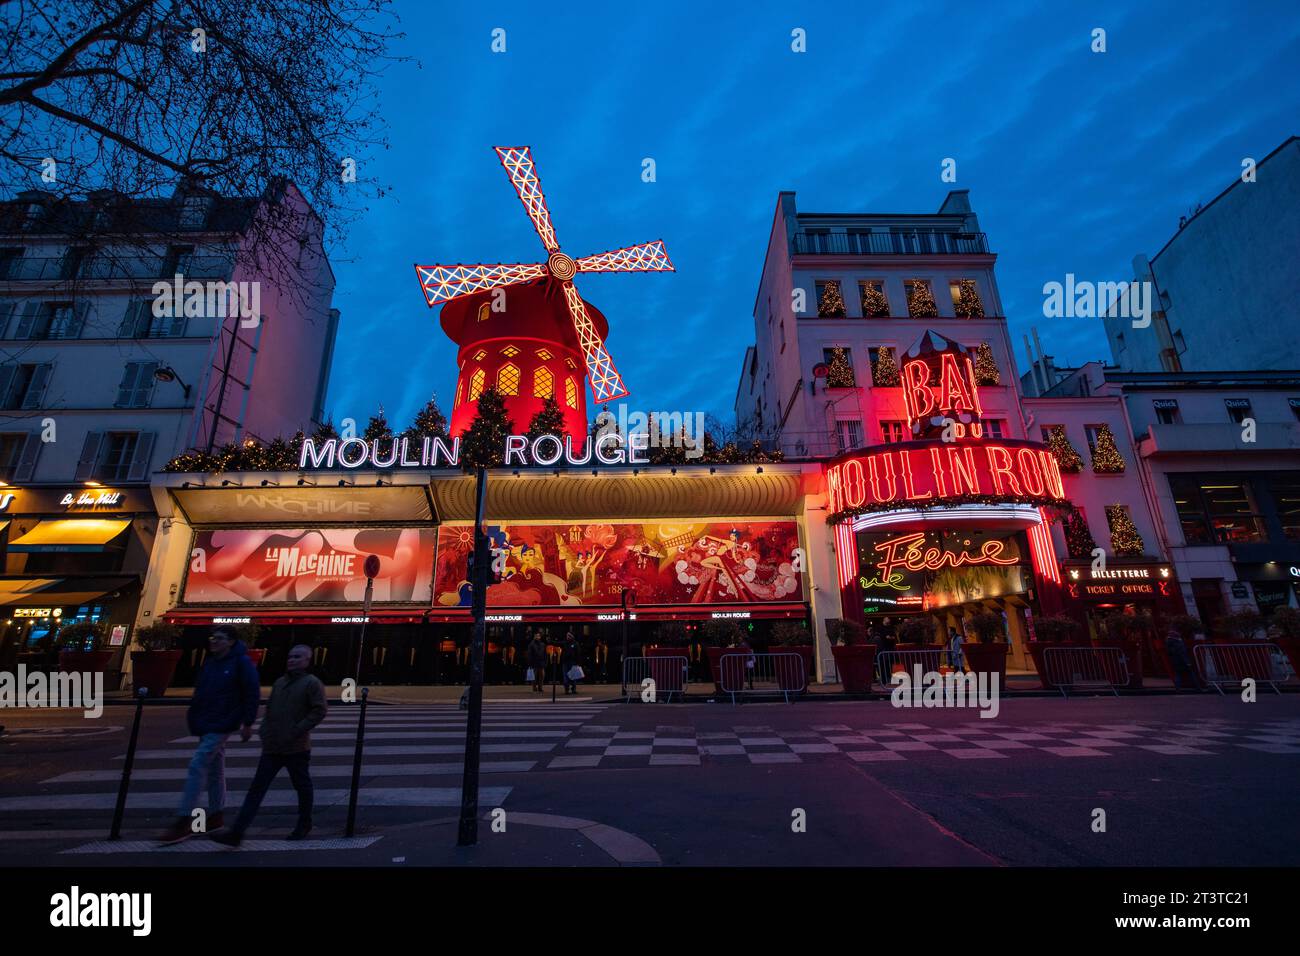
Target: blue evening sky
(1075, 161)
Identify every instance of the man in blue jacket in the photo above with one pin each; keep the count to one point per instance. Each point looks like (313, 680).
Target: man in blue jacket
(225, 700)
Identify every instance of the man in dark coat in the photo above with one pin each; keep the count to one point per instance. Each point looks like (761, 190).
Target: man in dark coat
(537, 660)
(225, 700)
(297, 704)
(568, 661)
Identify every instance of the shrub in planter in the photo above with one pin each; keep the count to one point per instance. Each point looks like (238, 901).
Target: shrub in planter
(915, 631)
(987, 654)
(789, 637)
(154, 665)
(719, 637)
(668, 676)
(1243, 626)
(80, 646)
(855, 659)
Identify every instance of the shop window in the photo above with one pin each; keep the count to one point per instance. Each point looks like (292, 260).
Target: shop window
(543, 382)
(508, 379)
(570, 393)
(1216, 510)
(849, 434)
(1238, 409)
(1286, 499)
(891, 432)
(476, 384)
(1166, 410)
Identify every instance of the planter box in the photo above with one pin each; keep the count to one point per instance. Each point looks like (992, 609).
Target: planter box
(668, 675)
(787, 676)
(1133, 651)
(154, 670)
(715, 663)
(1291, 648)
(94, 662)
(987, 659)
(857, 666)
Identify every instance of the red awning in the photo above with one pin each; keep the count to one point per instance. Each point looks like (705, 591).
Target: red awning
(602, 615)
(335, 616)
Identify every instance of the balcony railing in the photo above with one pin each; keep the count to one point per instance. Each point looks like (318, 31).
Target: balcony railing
(889, 243)
(103, 268)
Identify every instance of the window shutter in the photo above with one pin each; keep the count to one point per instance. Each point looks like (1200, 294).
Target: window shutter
(127, 328)
(30, 311)
(27, 459)
(6, 313)
(176, 325)
(79, 312)
(6, 382)
(36, 389)
(144, 385)
(126, 389)
(89, 456)
(142, 457)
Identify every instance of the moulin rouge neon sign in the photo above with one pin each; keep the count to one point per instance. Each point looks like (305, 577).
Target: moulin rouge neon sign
(918, 472)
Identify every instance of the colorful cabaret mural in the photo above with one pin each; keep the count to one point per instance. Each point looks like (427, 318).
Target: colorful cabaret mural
(570, 564)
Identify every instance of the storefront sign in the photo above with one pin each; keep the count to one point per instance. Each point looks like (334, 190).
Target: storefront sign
(265, 566)
(954, 396)
(232, 620)
(305, 504)
(592, 564)
(503, 618)
(350, 620)
(1239, 590)
(730, 615)
(926, 472)
(1271, 595)
(930, 570)
(91, 499)
(402, 452)
(38, 612)
(118, 637)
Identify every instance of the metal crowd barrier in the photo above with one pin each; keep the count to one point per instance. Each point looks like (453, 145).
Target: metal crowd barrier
(931, 659)
(1220, 664)
(766, 674)
(668, 673)
(1085, 668)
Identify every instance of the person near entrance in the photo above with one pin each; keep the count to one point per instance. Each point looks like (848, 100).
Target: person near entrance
(537, 660)
(297, 705)
(225, 700)
(1184, 670)
(954, 649)
(569, 663)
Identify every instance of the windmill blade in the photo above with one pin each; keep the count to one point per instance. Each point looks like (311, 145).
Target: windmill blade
(646, 257)
(444, 283)
(518, 161)
(606, 383)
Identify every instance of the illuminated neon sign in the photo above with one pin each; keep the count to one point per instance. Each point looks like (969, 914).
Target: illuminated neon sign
(922, 473)
(955, 397)
(908, 552)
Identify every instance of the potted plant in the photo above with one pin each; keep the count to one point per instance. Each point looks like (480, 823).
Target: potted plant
(720, 636)
(1123, 631)
(669, 677)
(249, 634)
(988, 653)
(1285, 626)
(79, 646)
(792, 637)
(1051, 630)
(855, 659)
(915, 634)
(153, 666)
(1241, 626)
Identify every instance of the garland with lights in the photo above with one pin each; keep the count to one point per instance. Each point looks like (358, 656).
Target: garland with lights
(1125, 540)
(1055, 505)
(884, 373)
(831, 303)
(920, 300)
(968, 304)
(1078, 538)
(840, 374)
(377, 427)
(874, 303)
(986, 369)
(1059, 445)
(1106, 459)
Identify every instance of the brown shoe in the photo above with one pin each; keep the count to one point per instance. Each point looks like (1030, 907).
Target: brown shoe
(178, 831)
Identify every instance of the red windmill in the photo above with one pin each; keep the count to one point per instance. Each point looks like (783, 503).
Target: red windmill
(529, 346)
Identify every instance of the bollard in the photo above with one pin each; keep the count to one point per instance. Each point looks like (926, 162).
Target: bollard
(120, 809)
(356, 764)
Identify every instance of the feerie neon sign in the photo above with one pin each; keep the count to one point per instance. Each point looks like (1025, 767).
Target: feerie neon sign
(908, 552)
(931, 471)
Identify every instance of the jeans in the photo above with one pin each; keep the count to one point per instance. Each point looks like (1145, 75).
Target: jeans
(267, 768)
(209, 761)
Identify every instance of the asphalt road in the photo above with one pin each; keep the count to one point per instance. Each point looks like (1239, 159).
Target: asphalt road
(1182, 781)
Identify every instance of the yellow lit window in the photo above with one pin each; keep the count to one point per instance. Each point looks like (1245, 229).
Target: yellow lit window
(508, 379)
(509, 351)
(460, 390)
(569, 362)
(483, 312)
(543, 382)
(544, 355)
(570, 393)
(480, 355)
(476, 385)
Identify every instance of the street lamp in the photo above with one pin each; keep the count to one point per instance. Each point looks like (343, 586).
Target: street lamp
(627, 600)
(165, 373)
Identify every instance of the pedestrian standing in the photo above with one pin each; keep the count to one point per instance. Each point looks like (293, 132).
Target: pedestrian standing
(1184, 670)
(569, 663)
(297, 704)
(954, 649)
(225, 700)
(537, 661)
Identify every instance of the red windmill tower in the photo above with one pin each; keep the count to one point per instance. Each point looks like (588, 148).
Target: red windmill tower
(532, 341)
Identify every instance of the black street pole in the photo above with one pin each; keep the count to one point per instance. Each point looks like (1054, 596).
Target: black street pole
(118, 811)
(468, 832)
(356, 765)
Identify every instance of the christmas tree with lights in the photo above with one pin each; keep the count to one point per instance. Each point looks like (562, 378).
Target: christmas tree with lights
(1106, 459)
(874, 303)
(377, 427)
(1078, 539)
(484, 442)
(1060, 446)
(429, 422)
(831, 303)
(920, 300)
(968, 305)
(885, 372)
(986, 369)
(840, 374)
(548, 421)
(1124, 537)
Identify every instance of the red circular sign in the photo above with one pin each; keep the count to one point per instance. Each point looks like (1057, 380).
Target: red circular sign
(372, 566)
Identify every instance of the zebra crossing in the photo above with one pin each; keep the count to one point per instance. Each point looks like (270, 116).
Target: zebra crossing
(413, 759)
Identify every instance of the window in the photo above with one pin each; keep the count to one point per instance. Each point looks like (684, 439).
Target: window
(1216, 510)
(194, 212)
(920, 299)
(849, 433)
(570, 393)
(18, 451)
(484, 311)
(479, 356)
(839, 359)
(1238, 409)
(819, 240)
(1286, 498)
(830, 301)
(9, 262)
(178, 262)
(1166, 410)
(136, 388)
(544, 355)
(115, 457)
(75, 262)
(884, 367)
(476, 384)
(1295, 407)
(139, 322)
(1124, 537)
(543, 382)
(23, 386)
(1091, 432)
(891, 432)
(571, 363)
(994, 427)
(874, 303)
(509, 351)
(51, 320)
(460, 391)
(508, 379)
(966, 302)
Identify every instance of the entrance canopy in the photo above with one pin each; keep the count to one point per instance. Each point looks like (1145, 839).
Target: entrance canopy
(71, 534)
